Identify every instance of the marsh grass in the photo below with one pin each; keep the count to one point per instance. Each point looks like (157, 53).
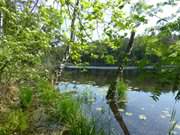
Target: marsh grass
(121, 88)
(40, 105)
(83, 126)
(70, 113)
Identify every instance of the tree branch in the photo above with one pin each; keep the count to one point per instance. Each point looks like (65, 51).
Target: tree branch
(34, 6)
(80, 22)
(130, 44)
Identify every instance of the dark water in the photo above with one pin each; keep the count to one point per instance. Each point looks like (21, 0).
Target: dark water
(142, 114)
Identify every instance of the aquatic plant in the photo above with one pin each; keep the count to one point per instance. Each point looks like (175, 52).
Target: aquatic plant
(69, 112)
(84, 126)
(66, 109)
(121, 88)
(86, 97)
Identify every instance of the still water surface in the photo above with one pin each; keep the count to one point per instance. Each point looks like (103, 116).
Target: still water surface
(142, 114)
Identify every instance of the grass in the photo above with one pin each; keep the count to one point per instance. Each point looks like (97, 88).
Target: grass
(40, 105)
(83, 126)
(76, 122)
(121, 88)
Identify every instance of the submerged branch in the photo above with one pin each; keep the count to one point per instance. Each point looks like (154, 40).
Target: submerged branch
(119, 118)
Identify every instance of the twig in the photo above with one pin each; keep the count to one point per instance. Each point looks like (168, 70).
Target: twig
(36, 3)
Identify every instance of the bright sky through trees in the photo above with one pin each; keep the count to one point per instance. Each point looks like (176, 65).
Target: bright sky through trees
(166, 12)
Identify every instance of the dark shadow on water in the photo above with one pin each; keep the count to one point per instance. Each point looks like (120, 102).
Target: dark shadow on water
(118, 117)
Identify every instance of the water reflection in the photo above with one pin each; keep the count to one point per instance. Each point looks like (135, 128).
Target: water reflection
(177, 96)
(143, 109)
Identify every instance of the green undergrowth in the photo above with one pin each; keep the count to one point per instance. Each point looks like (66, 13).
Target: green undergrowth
(40, 109)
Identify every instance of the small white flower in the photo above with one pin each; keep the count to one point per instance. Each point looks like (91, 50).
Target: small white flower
(128, 114)
(99, 109)
(121, 110)
(142, 117)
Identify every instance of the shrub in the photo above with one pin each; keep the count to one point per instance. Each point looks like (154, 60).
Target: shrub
(25, 97)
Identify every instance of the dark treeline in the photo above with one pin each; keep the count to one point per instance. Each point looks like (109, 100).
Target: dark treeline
(100, 53)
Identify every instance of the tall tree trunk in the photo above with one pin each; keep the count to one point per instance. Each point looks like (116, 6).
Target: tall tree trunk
(72, 38)
(112, 89)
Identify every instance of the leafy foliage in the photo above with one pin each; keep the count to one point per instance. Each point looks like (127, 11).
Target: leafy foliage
(16, 122)
(36, 37)
(25, 97)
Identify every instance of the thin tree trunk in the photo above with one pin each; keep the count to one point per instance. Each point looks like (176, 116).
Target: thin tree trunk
(72, 38)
